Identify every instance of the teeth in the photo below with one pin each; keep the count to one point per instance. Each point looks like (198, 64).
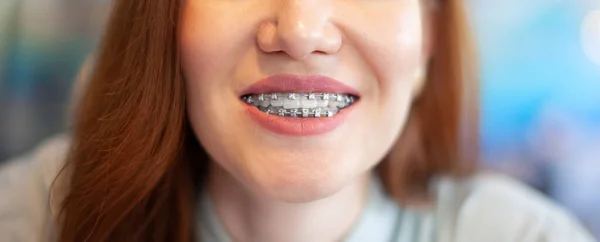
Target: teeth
(310, 105)
(294, 113)
(317, 113)
(319, 97)
(291, 103)
(333, 104)
(322, 103)
(276, 102)
(305, 112)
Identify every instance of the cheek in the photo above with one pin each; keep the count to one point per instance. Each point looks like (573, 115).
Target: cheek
(394, 52)
(197, 48)
(207, 44)
(211, 44)
(212, 40)
(391, 46)
(402, 54)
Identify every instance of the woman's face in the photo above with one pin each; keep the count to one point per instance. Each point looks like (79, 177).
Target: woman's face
(347, 69)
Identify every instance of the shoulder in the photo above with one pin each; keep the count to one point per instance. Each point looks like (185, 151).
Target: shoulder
(493, 207)
(25, 183)
(42, 164)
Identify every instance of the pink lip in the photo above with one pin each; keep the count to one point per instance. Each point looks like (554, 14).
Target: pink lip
(301, 84)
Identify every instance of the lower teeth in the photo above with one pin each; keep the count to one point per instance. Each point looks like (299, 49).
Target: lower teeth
(301, 113)
(329, 104)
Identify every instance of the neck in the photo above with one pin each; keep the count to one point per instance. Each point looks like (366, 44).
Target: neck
(248, 217)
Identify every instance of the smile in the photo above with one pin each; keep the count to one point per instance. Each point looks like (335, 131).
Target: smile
(300, 105)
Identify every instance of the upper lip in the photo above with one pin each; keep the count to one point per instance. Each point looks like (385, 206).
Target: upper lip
(299, 84)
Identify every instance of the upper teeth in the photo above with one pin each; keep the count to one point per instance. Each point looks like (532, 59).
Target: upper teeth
(300, 100)
(305, 105)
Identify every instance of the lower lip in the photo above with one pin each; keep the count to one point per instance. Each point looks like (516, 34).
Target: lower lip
(299, 126)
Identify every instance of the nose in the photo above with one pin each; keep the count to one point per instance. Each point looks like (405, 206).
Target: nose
(300, 28)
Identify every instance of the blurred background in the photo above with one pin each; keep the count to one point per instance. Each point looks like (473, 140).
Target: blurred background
(540, 67)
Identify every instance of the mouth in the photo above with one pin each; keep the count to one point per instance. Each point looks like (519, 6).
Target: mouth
(301, 105)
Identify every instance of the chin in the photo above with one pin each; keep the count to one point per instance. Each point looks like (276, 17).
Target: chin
(301, 191)
(296, 182)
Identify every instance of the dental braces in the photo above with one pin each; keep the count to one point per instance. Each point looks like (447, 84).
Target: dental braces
(333, 103)
(299, 96)
(301, 112)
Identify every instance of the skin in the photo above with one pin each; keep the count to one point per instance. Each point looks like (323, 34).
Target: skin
(310, 188)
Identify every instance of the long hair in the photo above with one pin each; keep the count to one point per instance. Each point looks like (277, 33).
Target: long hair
(441, 136)
(131, 175)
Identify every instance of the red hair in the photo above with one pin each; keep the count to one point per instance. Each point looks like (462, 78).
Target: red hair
(131, 175)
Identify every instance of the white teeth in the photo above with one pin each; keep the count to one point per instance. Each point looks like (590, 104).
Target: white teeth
(333, 104)
(276, 102)
(322, 103)
(305, 103)
(317, 113)
(287, 103)
(305, 112)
